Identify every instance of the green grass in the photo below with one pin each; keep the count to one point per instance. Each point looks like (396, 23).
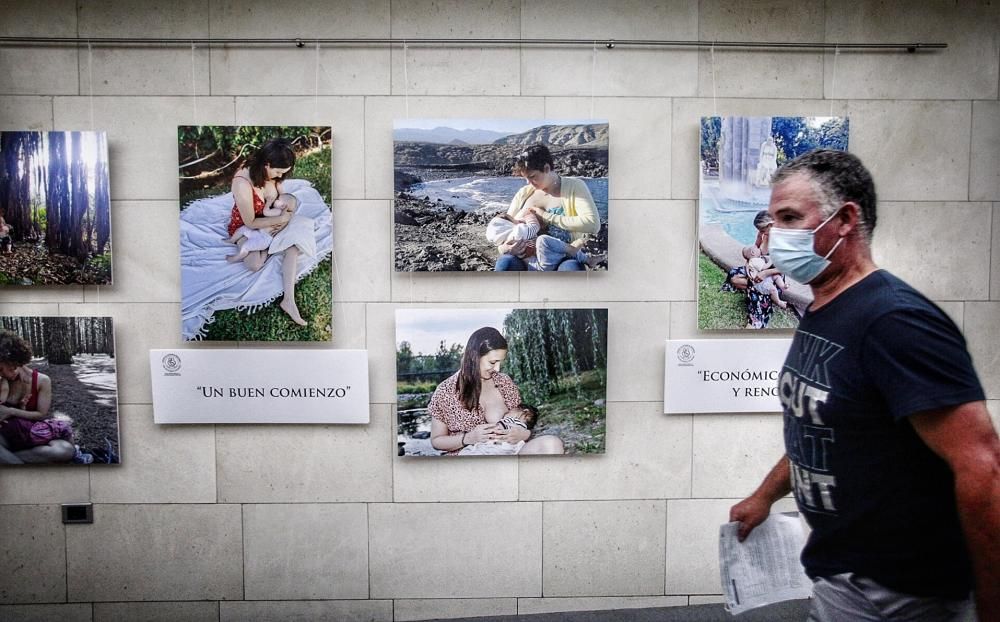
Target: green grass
(583, 423)
(411, 388)
(727, 310)
(315, 300)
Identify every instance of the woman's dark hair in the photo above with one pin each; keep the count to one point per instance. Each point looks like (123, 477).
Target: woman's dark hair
(14, 349)
(534, 158)
(469, 383)
(276, 153)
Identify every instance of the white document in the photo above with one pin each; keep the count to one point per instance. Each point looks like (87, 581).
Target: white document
(723, 375)
(249, 385)
(764, 568)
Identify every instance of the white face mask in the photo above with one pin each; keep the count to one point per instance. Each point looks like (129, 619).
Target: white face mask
(792, 252)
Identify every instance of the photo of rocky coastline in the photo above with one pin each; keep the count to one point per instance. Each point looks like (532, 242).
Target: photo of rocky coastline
(452, 177)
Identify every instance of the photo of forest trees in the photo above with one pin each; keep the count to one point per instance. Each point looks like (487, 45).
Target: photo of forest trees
(78, 355)
(55, 208)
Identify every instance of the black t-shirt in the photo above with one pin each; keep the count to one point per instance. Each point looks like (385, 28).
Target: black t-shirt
(879, 501)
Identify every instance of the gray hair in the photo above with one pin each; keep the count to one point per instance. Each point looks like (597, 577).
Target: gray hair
(838, 177)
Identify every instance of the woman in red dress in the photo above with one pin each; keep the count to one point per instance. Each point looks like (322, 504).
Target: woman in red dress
(255, 187)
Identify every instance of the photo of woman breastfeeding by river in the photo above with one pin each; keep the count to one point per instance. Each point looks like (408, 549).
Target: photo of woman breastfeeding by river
(501, 382)
(500, 194)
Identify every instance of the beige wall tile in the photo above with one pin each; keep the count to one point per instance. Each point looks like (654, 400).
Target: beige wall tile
(338, 71)
(636, 345)
(603, 548)
(43, 613)
(527, 606)
(995, 255)
(348, 325)
(305, 551)
(362, 245)
(121, 18)
(160, 463)
(425, 479)
(433, 550)
(982, 325)
(142, 136)
(33, 568)
(916, 151)
(648, 456)
(446, 608)
(39, 71)
(333, 463)
(125, 71)
(156, 552)
(968, 69)
(51, 484)
(599, 71)
(693, 542)
(26, 112)
(957, 235)
(299, 18)
(984, 178)
(157, 612)
(44, 18)
(147, 271)
(725, 72)
(281, 611)
(732, 454)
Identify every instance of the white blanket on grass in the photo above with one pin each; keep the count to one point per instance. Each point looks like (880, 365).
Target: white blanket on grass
(209, 283)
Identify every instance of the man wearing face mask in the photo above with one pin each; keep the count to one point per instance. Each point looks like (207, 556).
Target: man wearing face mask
(889, 449)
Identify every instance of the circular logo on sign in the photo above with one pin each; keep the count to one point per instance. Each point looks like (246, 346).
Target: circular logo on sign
(685, 353)
(171, 362)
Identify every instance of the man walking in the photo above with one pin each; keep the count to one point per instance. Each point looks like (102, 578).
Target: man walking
(889, 448)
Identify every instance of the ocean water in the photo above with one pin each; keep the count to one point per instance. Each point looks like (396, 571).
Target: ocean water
(493, 194)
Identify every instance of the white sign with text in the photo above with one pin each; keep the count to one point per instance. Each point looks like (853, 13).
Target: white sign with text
(723, 375)
(259, 386)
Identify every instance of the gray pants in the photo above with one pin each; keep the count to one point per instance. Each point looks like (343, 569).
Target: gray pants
(851, 597)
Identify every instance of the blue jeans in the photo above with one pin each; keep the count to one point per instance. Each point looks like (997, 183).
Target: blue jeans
(510, 263)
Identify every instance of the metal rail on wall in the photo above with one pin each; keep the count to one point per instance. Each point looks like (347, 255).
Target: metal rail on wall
(607, 43)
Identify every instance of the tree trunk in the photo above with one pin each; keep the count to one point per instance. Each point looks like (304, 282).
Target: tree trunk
(57, 195)
(73, 235)
(102, 195)
(59, 340)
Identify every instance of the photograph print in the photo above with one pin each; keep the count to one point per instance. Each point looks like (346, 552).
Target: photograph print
(256, 234)
(501, 382)
(55, 209)
(58, 391)
(738, 285)
(480, 195)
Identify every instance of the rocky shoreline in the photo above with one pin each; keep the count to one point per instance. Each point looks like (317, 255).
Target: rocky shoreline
(432, 236)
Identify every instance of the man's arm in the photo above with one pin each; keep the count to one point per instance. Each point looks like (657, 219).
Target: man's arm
(755, 509)
(963, 436)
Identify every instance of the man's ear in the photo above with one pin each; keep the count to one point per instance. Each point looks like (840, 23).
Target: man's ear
(847, 218)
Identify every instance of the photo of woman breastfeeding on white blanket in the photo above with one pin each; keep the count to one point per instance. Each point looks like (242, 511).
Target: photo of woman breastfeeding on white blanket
(255, 233)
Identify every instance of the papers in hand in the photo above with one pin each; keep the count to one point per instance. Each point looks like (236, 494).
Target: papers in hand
(764, 568)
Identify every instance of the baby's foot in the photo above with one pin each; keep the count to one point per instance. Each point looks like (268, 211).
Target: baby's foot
(595, 260)
(288, 305)
(781, 303)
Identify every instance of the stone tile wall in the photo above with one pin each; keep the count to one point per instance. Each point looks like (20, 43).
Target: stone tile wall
(325, 522)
